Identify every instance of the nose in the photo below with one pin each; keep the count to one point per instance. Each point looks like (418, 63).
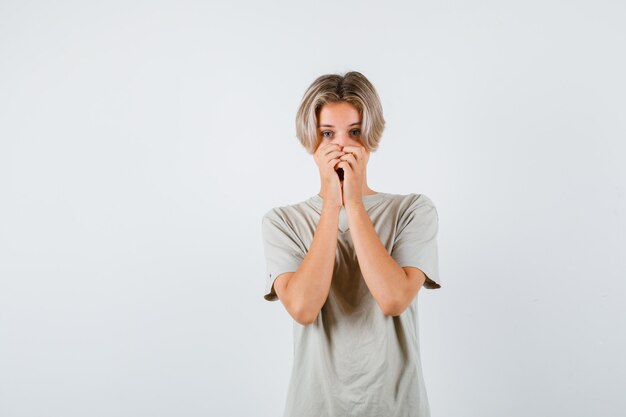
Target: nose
(343, 139)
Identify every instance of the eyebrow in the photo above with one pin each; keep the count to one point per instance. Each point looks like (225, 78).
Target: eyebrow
(353, 124)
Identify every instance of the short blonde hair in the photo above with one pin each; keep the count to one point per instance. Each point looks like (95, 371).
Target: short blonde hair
(352, 87)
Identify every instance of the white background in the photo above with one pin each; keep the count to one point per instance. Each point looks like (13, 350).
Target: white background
(142, 143)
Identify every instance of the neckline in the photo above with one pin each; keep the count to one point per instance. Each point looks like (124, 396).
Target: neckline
(368, 200)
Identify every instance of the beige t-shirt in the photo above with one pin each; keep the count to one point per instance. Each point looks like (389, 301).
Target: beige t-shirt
(353, 360)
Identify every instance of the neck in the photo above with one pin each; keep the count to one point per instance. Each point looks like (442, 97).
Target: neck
(364, 191)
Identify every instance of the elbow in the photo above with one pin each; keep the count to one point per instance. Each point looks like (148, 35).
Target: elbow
(393, 309)
(304, 317)
(299, 310)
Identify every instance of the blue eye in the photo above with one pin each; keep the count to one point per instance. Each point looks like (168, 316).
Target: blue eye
(355, 132)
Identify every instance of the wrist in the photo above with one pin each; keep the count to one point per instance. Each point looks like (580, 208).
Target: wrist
(354, 204)
(331, 207)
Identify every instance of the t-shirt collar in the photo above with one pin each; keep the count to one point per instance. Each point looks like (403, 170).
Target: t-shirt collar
(368, 200)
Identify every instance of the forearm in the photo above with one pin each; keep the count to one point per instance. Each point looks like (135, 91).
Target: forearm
(309, 286)
(385, 279)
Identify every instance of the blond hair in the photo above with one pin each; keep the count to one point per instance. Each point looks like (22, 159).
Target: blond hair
(352, 87)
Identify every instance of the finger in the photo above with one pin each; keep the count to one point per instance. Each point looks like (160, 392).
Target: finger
(353, 155)
(330, 147)
(332, 152)
(323, 149)
(326, 159)
(335, 154)
(345, 165)
(354, 149)
(349, 157)
(333, 163)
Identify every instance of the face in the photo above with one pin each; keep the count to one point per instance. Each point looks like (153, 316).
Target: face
(340, 123)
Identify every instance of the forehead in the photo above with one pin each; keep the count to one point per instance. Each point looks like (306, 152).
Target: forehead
(338, 114)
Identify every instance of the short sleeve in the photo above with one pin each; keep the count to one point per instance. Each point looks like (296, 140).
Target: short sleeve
(283, 252)
(415, 242)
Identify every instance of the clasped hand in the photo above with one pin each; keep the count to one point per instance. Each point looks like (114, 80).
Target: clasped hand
(353, 164)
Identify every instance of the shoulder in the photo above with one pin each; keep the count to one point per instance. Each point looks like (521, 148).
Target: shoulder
(271, 215)
(284, 214)
(419, 199)
(410, 201)
(414, 205)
